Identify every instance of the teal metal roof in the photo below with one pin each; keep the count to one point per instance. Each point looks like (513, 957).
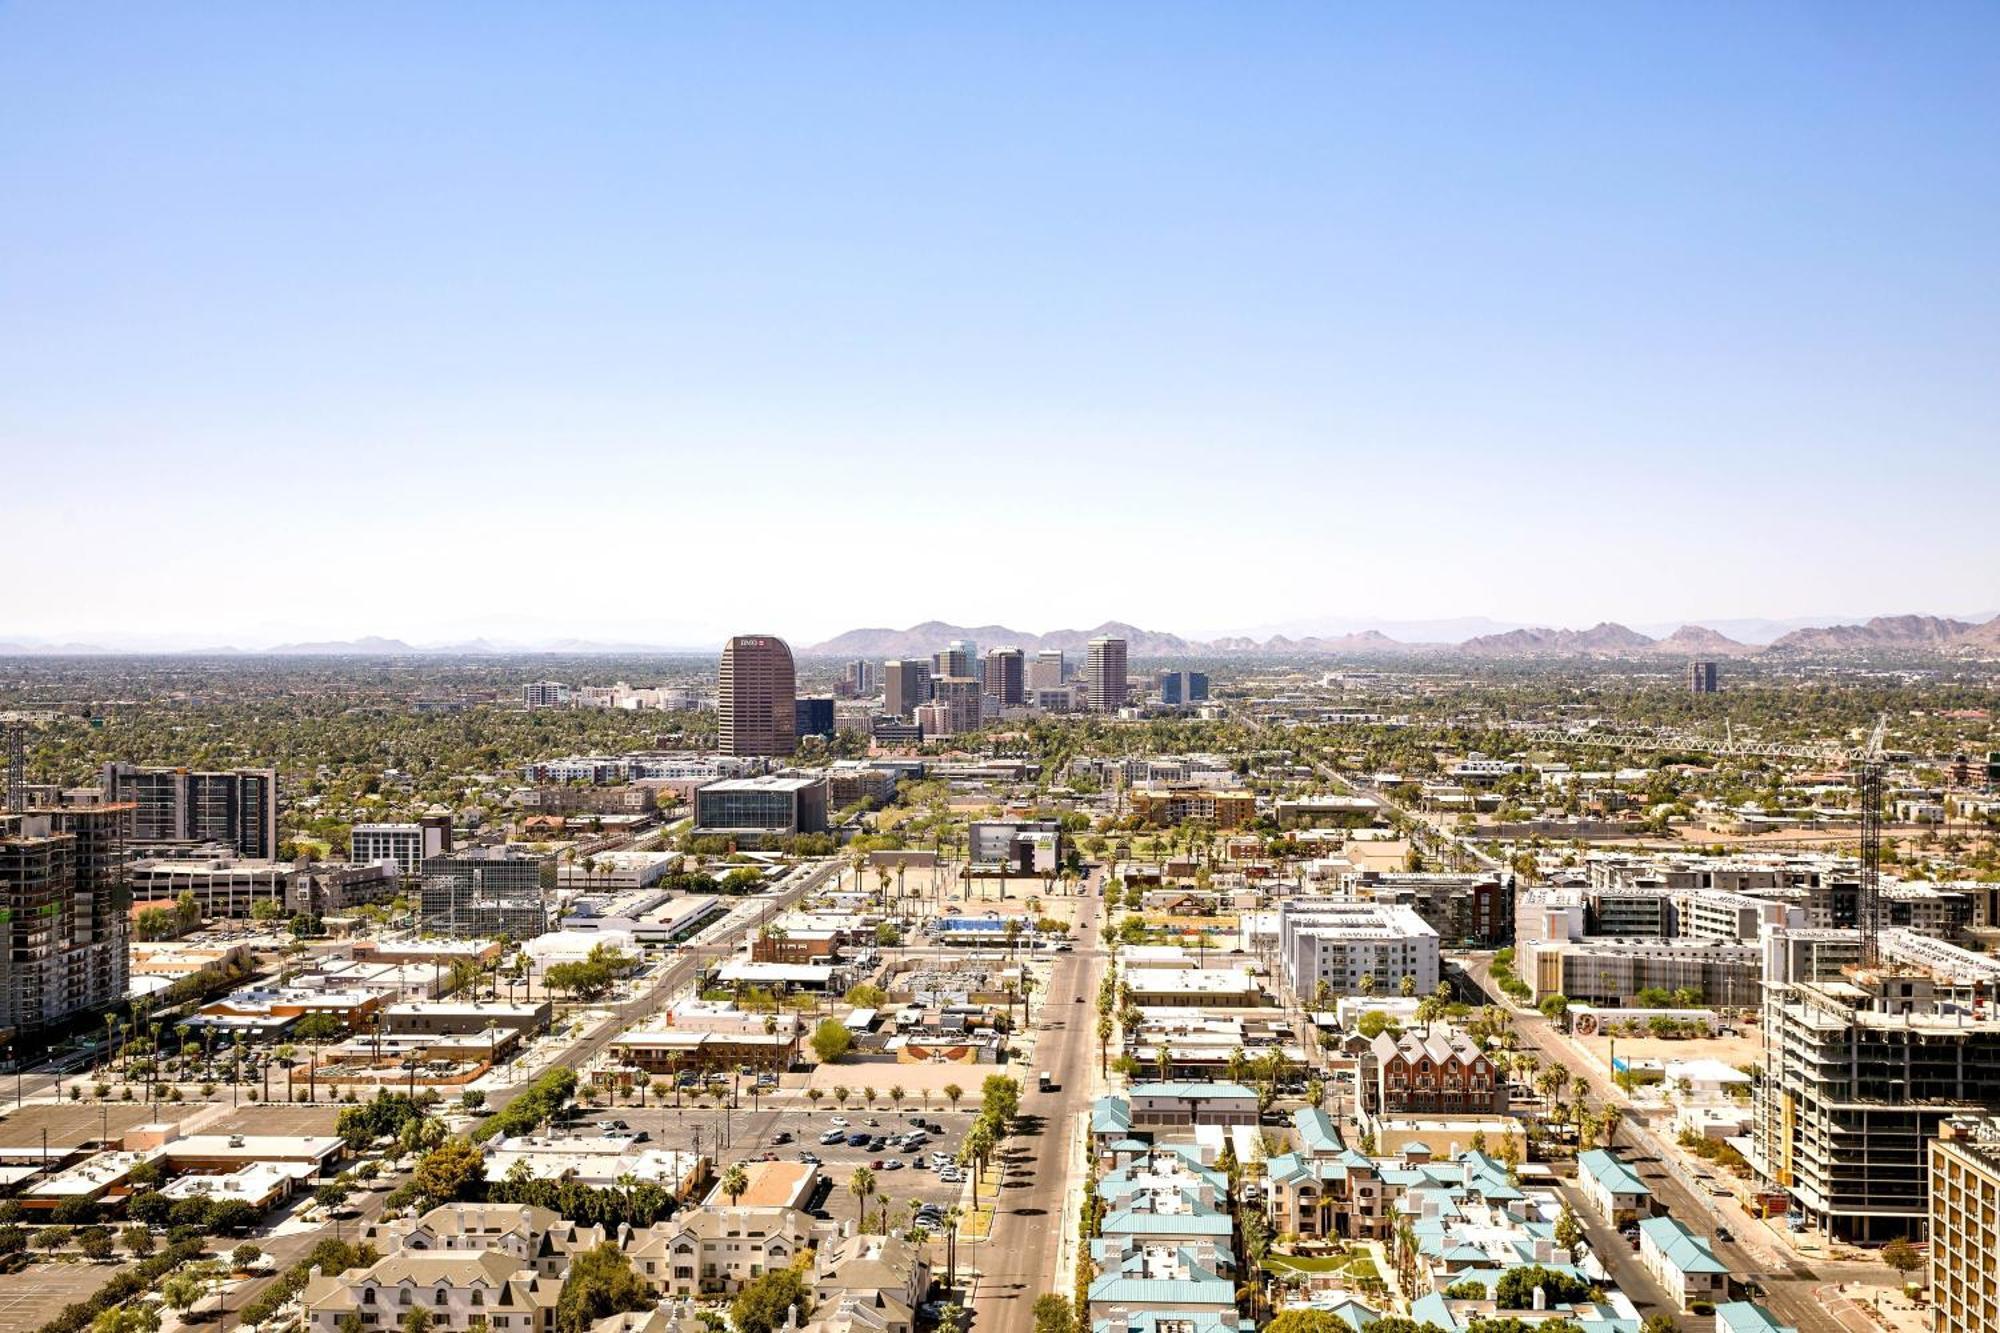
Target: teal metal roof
(1194, 1090)
(1110, 1115)
(1609, 1171)
(1683, 1249)
(1316, 1131)
(1434, 1309)
(1129, 1222)
(1164, 1291)
(1747, 1317)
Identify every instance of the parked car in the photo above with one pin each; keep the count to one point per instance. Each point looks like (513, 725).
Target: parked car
(857, 1140)
(832, 1136)
(892, 1164)
(810, 1158)
(839, 1121)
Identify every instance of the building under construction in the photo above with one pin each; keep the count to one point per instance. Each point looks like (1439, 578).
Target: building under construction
(1862, 1063)
(238, 810)
(487, 891)
(64, 914)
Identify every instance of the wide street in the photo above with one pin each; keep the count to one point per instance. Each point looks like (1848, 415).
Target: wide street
(1753, 1253)
(1042, 1182)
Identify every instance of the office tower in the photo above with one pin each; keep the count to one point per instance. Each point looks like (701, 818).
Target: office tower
(959, 699)
(1701, 677)
(239, 809)
(64, 914)
(1047, 671)
(1176, 688)
(545, 694)
(408, 845)
(1006, 677)
(861, 677)
(906, 684)
(755, 712)
(485, 891)
(1104, 675)
(954, 660)
(813, 716)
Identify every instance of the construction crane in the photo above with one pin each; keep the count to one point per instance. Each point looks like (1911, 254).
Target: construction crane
(1868, 789)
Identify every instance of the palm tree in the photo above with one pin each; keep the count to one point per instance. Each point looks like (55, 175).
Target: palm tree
(896, 1095)
(952, 1092)
(861, 1184)
(952, 1216)
(840, 1094)
(734, 1181)
(640, 1081)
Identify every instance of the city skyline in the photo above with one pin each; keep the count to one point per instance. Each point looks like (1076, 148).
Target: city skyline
(1457, 310)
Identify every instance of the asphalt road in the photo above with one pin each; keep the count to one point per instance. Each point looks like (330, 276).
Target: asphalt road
(1789, 1288)
(1042, 1183)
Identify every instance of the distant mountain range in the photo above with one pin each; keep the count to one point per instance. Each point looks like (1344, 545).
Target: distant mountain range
(1608, 639)
(1901, 633)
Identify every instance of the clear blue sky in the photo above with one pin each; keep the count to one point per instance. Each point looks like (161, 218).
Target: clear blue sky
(661, 321)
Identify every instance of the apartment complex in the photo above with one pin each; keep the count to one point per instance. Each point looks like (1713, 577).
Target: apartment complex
(64, 914)
(545, 694)
(1336, 941)
(1165, 806)
(168, 805)
(1965, 1226)
(408, 845)
(755, 714)
(1104, 684)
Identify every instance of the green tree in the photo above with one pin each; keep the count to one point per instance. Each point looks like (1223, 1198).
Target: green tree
(831, 1040)
(734, 1181)
(600, 1283)
(765, 1303)
(1054, 1314)
(450, 1171)
(1569, 1230)
(1902, 1256)
(1516, 1288)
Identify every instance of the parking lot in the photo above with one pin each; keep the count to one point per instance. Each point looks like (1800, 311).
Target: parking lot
(38, 1293)
(277, 1118)
(750, 1133)
(69, 1125)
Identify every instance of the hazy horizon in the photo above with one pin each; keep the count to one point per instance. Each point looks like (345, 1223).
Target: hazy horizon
(522, 322)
